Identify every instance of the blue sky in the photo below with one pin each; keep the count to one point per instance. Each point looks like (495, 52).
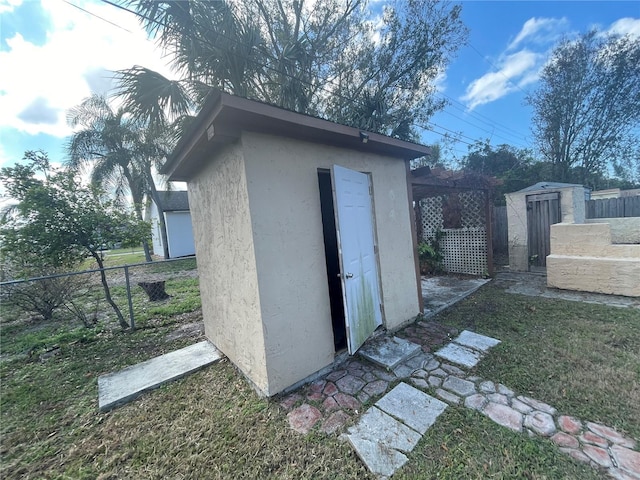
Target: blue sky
(53, 55)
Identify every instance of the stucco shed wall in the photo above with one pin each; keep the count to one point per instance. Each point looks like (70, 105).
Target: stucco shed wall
(286, 220)
(222, 229)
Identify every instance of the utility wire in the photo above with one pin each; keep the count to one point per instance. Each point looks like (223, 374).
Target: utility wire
(492, 133)
(463, 108)
(97, 16)
(429, 128)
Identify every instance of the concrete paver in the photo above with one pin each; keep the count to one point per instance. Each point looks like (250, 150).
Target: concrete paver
(388, 352)
(379, 459)
(476, 341)
(375, 425)
(459, 355)
(414, 407)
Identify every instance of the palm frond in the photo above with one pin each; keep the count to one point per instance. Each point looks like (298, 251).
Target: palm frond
(151, 97)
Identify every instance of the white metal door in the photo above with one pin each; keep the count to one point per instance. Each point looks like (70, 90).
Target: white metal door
(356, 250)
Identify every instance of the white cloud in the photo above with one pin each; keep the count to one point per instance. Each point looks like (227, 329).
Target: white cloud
(440, 80)
(9, 5)
(539, 30)
(514, 71)
(625, 26)
(58, 75)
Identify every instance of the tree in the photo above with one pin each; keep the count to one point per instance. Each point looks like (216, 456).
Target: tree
(332, 58)
(587, 108)
(121, 151)
(515, 168)
(59, 219)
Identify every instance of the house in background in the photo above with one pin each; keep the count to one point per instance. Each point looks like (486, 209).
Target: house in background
(174, 205)
(305, 236)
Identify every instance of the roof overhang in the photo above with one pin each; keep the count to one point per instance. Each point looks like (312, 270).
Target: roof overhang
(223, 117)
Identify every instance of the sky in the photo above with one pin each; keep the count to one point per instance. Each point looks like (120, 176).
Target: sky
(53, 55)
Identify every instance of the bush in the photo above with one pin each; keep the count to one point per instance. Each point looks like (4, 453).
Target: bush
(430, 254)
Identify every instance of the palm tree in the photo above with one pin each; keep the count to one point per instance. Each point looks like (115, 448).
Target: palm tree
(277, 51)
(120, 149)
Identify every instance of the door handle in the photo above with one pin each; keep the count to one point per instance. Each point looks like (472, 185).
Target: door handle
(348, 275)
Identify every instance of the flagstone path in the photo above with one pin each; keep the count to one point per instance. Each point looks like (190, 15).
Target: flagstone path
(395, 423)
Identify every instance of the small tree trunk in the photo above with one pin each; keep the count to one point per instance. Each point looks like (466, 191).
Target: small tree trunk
(107, 292)
(147, 251)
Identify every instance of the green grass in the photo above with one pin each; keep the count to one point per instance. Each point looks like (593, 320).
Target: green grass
(211, 424)
(463, 444)
(584, 359)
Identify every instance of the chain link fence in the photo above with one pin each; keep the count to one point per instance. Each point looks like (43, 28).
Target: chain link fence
(139, 294)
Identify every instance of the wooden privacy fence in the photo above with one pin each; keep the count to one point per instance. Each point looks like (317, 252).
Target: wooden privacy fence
(613, 207)
(500, 238)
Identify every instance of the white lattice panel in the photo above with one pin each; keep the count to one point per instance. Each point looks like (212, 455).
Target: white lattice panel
(432, 219)
(465, 251)
(472, 211)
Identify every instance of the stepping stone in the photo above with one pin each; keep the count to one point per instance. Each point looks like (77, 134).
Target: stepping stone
(379, 459)
(118, 388)
(459, 355)
(379, 439)
(476, 341)
(377, 426)
(389, 352)
(459, 386)
(303, 418)
(414, 407)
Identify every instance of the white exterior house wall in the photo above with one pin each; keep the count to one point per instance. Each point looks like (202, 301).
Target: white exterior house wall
(156, 236)
(179, 232)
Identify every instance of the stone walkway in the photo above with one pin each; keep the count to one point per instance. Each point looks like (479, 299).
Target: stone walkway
(386, 431)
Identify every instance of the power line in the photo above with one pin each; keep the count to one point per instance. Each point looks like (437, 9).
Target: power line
(492, 133)
(508, 130)
(97, 16)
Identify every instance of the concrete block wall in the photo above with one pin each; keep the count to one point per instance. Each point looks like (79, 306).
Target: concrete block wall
(623, 230)
(584, 258)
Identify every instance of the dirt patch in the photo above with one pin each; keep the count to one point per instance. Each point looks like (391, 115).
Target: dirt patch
(191, 326)
(190, 330)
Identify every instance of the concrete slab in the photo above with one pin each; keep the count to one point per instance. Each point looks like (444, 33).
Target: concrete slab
(415, 408)
(459, 355)
(118, 388)
(476, 341)
(377, 426)
(379, 459)
(389, 352)
(440, 293)
(535, 285)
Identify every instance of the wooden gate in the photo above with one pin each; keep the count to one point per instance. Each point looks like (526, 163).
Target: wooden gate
(543, 210)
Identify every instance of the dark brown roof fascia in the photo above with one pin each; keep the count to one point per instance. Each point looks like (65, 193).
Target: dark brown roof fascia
(228, 115)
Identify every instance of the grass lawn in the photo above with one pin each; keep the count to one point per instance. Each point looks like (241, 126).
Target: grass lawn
(212, 424)
(584, 359)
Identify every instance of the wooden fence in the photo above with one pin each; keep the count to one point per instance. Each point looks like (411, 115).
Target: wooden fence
(613, 207)
(601, 208)
(500, 233)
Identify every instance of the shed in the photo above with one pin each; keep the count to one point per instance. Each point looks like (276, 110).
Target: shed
(174, 206)
(304, 235)
(530, 214)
